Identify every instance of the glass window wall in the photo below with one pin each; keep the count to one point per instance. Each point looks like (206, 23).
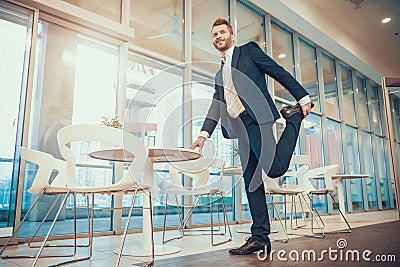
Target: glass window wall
(75, 83)
(282, 53)
(308, 72)
(330, 86)
(158, 26)
(348, 96)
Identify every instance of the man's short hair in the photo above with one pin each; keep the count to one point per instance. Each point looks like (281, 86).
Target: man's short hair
(222, 21)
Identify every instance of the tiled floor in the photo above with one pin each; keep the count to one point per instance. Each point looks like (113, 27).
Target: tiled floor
(103, 247)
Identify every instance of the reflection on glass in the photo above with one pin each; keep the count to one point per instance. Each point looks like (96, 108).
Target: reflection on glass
(375, 105)
(335, 144)
(312, 129)
(362, 103)
(215, 146)
(354, 167)
(335, 155)
(204, 13)
(382, 172)
(282, 53)
(110, 9)
(76, 77)
(250, 25)
(348, 96)
(15, 34)
(154, 111)
(158, 26)
(369, 169)
(308, 72)
(395, 109)
(330, 87)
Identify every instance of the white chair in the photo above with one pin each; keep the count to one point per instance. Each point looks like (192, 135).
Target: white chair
(110, 138)
(326, 172)
(46, 165)
(299, 164)
(199, 171)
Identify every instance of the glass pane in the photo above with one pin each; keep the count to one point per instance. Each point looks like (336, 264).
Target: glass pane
(382, 172)
(362, 104)
(354, 167)
(312, 130)
(369, 169)
(335, 144)
(395, 109)
(110, 9)
(158, 26)
(204, 14)
(15, 33)
(348, 96)
(375, 105)
(282, 53)
(330, 87)
(308, 72)
(215, 146)
(335, 155)
(154, 111)
(250, 25)
(75, 83)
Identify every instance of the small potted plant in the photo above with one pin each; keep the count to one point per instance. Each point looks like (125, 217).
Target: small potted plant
(113, 122)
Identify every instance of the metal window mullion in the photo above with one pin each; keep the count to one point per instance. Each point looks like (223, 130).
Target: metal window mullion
(27, 115)
(345, 159)
(391, 142)
(324, 123)
(376, 171)
(297, 71)
(187, 92)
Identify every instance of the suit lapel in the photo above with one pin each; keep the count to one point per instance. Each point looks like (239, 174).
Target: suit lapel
(235, 58)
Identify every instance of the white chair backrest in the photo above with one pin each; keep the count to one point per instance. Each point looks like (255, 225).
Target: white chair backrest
(110, 136)
(46, 164)
(198, 170)
(326, 172)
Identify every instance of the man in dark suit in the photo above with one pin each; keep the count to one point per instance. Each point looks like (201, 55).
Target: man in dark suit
(247, 112)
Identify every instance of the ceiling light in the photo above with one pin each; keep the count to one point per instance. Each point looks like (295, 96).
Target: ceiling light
(386, 20)
(281, 55)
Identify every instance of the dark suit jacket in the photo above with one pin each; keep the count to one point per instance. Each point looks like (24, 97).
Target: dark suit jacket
(249, 66)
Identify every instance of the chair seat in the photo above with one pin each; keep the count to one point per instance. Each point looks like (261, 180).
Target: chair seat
(320, 191)
(284, 191)
(191, 192)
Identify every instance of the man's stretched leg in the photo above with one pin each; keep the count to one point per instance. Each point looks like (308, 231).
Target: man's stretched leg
(286, 145)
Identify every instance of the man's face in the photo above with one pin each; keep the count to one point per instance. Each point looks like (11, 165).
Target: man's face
(222, 38)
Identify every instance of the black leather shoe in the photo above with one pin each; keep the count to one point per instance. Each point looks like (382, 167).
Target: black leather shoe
(291, 110)
(252, 245)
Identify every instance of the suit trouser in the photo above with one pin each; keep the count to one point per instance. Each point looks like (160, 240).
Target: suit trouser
(259, 151)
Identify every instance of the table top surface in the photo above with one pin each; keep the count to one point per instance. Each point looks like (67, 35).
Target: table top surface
(344, 176)
(156, 154)
(350, 176)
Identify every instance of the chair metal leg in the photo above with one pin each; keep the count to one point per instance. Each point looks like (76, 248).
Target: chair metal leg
(341, 214)
(280, 219)
(311, 207)
(319, 216)
(90, 237)
(75, 246)
(51, 228)
(181, 223)
(18, 228)
(226, 224)
(126, 228)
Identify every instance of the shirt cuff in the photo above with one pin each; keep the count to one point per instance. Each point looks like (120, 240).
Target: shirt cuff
(305, 100)
(204, 134)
